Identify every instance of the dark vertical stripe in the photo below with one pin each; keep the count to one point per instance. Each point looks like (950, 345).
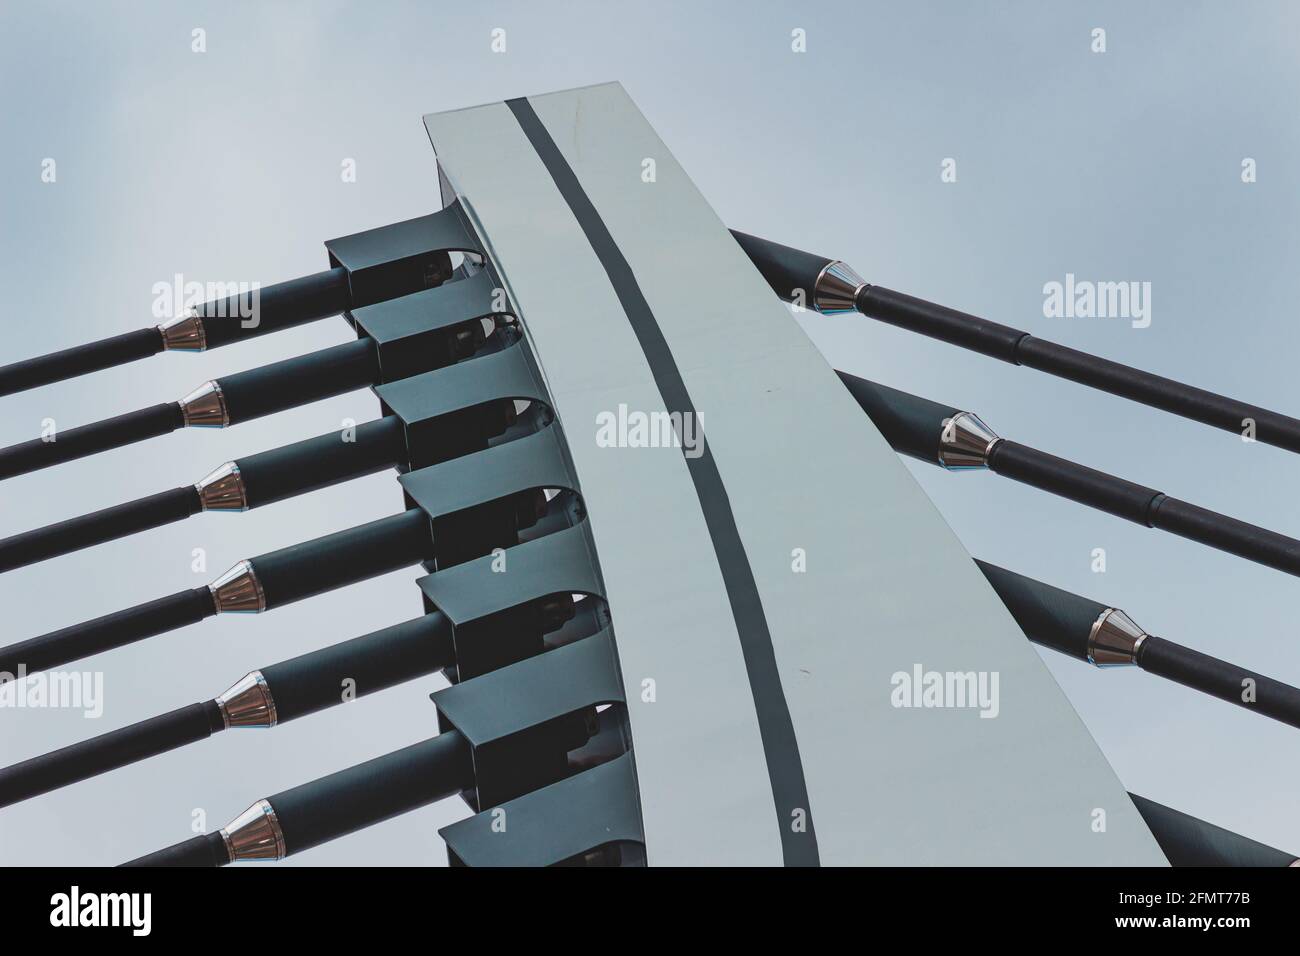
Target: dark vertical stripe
(784, 766)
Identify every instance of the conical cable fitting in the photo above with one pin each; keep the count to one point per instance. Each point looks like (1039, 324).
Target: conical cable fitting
(223, 489)
(238, 591)
(247, 703)
(1115, 640)
(254, 835)
(836, 289)
(184, 333)
(205, 407)
(966, 442)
